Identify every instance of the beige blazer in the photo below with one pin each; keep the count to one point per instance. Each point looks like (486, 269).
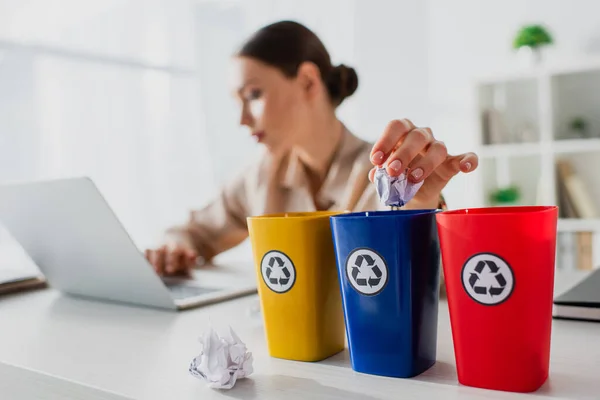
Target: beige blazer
(279, 184)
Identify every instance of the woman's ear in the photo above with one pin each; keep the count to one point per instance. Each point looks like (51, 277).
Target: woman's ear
(309, 78)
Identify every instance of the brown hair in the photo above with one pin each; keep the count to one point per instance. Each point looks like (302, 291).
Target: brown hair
(287, 44)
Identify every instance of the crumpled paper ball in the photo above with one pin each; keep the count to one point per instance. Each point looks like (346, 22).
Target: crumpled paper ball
(395, 191)
(222, 360)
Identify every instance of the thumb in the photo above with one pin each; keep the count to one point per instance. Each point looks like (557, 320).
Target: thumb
(440, 177)
(466, 163)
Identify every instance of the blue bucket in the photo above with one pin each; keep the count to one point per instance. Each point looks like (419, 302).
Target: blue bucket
(389, 270)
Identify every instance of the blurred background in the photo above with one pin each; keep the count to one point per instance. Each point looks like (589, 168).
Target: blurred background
(136, 95)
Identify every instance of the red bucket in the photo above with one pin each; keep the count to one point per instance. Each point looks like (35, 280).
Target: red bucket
(498, 267)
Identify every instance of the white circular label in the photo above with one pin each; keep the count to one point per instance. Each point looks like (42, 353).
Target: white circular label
(488, 279)
(366, 271)
(278, 271)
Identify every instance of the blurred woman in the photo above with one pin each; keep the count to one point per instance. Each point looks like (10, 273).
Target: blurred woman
(288, 92)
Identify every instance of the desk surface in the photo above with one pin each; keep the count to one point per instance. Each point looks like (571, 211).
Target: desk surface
(62, 345)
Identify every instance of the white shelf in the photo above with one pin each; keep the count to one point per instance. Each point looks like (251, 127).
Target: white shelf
(519, 74)
(539, 105)
(510, 150)
(575, 67)
(566, 146)
(578, 225)
(576, 146)
(501, 78)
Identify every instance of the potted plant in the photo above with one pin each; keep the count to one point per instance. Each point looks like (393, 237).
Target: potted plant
(533, 37)
(505, 196)
(578, 127)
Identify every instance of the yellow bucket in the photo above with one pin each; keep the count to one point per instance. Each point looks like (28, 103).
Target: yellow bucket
(298, 285)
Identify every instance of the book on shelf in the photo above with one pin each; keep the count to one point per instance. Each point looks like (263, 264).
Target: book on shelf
(585, 260)
(494, 126)
(574, 251)
(574, 200)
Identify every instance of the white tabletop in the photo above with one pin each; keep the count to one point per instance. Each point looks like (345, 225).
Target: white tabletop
(63, 346)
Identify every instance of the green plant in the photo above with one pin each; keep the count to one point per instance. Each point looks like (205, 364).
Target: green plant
(578, 124)
(533, 36)
(505, 195)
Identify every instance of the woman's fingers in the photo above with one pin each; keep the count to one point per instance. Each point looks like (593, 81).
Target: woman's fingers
(435, 156)
(404, 147)
(172, 260)
(157, 259)
(400, 143)
(372, 174)
(466, 162)
(437, 161)
(191, 256)
(440, 177)
(469, 162)
(175, 261)
(415, 142)
(392, 136)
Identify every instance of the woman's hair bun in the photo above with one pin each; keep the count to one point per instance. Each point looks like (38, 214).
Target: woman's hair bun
(342, 83)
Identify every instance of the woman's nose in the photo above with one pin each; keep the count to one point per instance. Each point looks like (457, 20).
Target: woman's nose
(245, 118)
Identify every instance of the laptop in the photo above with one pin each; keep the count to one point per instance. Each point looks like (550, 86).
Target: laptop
(73, 236)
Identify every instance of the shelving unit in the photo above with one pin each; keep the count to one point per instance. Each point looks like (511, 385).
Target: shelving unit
(578, 225)
(525, 121)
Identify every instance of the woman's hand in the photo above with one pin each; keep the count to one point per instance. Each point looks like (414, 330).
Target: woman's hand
(402, 146)
(172, 259)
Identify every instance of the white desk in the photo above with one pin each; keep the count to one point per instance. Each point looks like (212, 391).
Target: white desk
(88, 350)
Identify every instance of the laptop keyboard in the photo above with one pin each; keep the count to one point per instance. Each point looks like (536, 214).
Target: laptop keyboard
(182, 291)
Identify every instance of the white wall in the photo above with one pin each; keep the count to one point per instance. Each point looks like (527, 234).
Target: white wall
(16, 72)
(219, 30)
(391, 59)
(150, 31)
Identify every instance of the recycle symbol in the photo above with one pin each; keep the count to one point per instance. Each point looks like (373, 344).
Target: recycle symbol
(493, 290)
(278, 271)
(284, 277)
(488, 278)
(367, 271)
(359, 264)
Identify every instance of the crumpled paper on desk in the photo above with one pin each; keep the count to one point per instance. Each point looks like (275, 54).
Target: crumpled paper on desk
(222, 360)
(395, 191)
